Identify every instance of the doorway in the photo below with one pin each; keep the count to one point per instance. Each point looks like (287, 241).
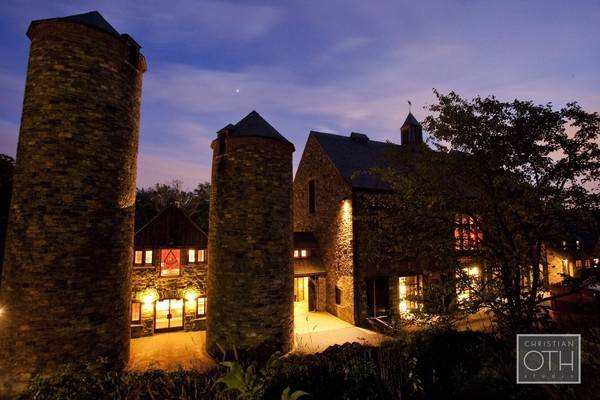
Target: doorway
(378, 294)
(168, 315)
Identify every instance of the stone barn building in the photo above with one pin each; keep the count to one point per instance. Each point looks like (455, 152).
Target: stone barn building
(332, 187)
(168, 284)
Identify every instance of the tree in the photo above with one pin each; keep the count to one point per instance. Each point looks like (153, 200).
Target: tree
(7, 168)
(152, 200)
(516, 174)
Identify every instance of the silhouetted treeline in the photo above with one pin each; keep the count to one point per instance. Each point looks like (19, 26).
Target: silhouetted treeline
(150, 201)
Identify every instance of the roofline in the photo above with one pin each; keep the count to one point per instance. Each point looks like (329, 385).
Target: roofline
(123, 36)
(353, 188)
(311, 134)
(162, 211)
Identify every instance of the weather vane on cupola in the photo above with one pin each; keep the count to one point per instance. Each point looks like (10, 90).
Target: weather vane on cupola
(409, 106)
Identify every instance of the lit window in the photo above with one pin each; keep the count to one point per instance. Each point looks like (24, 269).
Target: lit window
(303, 253)
(201, 306)
(138, 257)
(338, 295)
(466, 282)
(296, 253)
(578, 264)
(169, 262)
(409, 289)
(136, 312)
(588, 263)
(191, 256)
(467, 234)
(565, 266)
(202, 255)
(148, 257)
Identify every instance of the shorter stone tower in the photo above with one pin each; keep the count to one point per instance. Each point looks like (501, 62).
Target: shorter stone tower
(66, 277)
(250, 276)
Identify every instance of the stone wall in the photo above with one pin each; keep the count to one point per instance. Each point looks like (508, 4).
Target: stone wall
(331, 223)
(66, 278)
(147, 278)
(250, 277)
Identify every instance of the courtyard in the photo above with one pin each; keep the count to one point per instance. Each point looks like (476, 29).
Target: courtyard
(313, 333)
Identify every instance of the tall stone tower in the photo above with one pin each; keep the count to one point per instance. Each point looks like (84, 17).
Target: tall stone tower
(66, 277)
(250, 276)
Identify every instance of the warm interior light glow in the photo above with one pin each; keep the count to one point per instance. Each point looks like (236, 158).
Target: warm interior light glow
(148, 296)
(464, 290)
(303, 253)
(138, 257)
(148, 257)
(409, 287)
(403, 306)
(296, 253)
(191, 295)
(191, 255)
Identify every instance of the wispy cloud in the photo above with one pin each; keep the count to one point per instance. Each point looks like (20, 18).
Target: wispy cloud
(8, 138)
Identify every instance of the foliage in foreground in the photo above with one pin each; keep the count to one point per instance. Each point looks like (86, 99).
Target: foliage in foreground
(420, 366)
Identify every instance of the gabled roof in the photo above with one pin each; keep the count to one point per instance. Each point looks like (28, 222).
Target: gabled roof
(92, 18)
(355, 158)
(171, 227)
(254, 125)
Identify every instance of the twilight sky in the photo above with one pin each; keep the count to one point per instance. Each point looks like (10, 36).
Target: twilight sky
(336, 66)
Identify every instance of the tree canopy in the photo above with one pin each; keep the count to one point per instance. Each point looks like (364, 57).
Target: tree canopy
(519, 173)
(150, 201)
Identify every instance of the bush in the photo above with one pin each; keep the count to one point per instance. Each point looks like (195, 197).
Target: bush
(421, 366)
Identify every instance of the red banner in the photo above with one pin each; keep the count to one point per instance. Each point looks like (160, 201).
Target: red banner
(169, 262)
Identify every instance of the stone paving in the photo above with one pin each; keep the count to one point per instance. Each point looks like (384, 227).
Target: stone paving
(314, 332)
(170, 352)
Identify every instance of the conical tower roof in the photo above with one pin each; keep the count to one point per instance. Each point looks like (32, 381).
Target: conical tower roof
(254, 125)
(93, 19)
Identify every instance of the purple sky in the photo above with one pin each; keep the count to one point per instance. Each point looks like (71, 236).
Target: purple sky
(337, 66)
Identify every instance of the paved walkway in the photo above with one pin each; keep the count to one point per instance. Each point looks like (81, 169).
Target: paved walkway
(314, 332)
(170, 352)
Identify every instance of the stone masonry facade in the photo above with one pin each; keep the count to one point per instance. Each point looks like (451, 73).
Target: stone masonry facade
(146, 280)
(331, 223)
(70, 235)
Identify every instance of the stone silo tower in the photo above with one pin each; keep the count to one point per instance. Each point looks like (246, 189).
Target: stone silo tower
(66, 278)
(250, 276)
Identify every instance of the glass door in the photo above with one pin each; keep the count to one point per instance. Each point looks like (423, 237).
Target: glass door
(168, 314)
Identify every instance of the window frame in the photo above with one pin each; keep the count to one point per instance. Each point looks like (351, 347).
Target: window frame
(198, 315)
(412, 289)
(139, 306)
(144, 263)
(312, 198)
(338, 296)
(201, 260)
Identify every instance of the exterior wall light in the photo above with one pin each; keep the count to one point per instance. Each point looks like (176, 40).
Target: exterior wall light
(148, 296)
(191, 295)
